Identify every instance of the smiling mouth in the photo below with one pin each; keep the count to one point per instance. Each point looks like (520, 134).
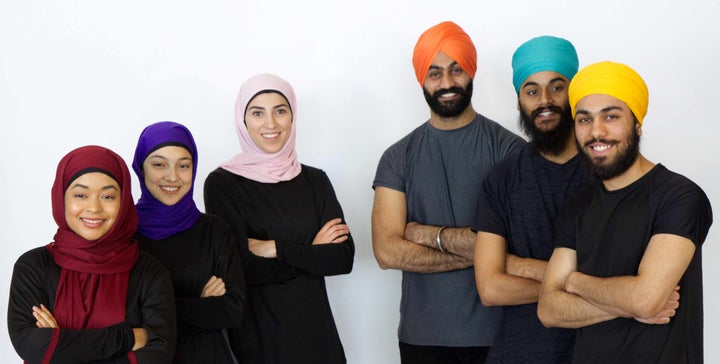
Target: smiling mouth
(92, 222)
(270, 135)
(169, 188)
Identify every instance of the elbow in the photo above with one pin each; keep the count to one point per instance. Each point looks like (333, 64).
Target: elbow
(489, 296)
(383, 258)
(645, 307)
(545, 315)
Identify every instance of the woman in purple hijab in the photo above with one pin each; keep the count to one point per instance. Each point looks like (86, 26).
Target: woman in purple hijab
(198, 249)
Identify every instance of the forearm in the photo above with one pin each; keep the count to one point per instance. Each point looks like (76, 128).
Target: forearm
(502, 289)
(321, 259)
(218, 312)
(405, 255)
(459, 241)
(616, 295)
(529, 268)
(559, 308)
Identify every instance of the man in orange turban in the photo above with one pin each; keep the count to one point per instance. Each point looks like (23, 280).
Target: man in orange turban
(627, 264)
(426, 188)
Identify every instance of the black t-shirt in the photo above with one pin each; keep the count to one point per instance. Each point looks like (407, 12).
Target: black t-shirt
(610, 230)
(519, 201)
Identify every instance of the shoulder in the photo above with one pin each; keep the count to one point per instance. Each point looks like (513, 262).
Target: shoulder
(36, 255)
(406, 142)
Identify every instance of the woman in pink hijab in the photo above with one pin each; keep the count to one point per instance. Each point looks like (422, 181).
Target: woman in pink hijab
(291, 228)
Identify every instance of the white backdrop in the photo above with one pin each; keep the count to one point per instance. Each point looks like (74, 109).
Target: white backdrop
(96, 72)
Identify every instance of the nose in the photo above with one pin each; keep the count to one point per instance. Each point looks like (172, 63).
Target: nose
(94, 205)
(446, 81)
(545, 98)
(171, 175)
(271, 122)
(598, 129)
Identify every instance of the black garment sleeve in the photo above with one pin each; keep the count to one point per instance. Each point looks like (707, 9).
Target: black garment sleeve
(157, 310)
(323, 259)
(221, 200)
(33, 283)
(227, 310)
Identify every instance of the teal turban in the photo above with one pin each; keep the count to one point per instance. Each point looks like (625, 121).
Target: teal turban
(545, 53)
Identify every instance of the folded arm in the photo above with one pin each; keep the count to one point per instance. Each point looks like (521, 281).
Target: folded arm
(393, 251)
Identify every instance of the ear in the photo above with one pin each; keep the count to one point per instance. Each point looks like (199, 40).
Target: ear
(638, 128)
(518, 104)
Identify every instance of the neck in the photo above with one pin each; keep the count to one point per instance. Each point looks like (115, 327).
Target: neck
(457, 122)
(641, 167)
(566, 154)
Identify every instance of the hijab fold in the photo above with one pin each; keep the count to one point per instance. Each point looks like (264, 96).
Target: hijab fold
(93, 285)
(253, 162)
(157, 220)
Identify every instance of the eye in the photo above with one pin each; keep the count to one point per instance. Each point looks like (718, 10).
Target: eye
(186, 165)
(257, 114)
(558, 88)
(79, 195)
(456, 70)
(434, 74)
(108, 197)
(532, 92)
(582, 120)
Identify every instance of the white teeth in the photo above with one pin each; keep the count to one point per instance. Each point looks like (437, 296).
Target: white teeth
(169, 189)
(449, 94)
(91, 221)
(601, 148)
(270, 135)
(546, 113)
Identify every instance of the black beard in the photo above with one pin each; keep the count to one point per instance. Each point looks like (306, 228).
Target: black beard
(553, 141)
(449, 109)
(606, 170)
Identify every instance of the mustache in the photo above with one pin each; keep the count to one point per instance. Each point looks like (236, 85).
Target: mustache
(601, 140)
(553, 108)
(454, 89)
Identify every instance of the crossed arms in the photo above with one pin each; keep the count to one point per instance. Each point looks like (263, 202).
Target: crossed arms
(412, 247)
(572, 299)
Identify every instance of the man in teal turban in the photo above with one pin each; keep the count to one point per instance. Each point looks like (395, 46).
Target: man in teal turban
(519, 200)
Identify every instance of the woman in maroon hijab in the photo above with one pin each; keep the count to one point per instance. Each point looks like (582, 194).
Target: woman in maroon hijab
(91, 295)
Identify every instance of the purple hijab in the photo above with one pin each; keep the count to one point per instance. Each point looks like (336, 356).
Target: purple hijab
(156, 220)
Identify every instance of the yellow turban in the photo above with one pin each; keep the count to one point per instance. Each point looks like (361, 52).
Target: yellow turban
(449, 38)
(613, 79)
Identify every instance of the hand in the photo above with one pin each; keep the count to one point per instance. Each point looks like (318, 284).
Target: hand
(663, 317)
(263, 248)
(413, 232)
(332, 232)
(140, 338)
(45, 318)
(214, 287)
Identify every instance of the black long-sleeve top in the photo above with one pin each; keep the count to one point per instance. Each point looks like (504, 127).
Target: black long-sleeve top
(192, 256)
(149, 305)
(289, 319)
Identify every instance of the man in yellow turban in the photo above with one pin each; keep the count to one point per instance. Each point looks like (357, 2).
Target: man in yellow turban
(627, 264)
(426, 189)
(519, 201)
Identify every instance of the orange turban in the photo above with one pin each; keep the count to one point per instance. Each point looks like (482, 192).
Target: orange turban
(449, 38)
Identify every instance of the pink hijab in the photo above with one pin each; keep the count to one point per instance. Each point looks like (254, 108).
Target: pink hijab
(253, 162)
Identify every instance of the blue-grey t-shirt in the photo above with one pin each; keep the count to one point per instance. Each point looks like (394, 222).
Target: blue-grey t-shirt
(441, 172)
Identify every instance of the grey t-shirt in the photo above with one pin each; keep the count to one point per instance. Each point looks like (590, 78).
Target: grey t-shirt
(441, 172)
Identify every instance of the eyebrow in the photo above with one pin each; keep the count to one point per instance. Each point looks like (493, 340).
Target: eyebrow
(166, 158)
(436, 67)
(533, 83)
(263, 108)
(80, 185)
(603, 110)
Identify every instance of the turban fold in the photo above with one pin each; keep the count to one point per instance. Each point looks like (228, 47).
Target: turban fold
(545, 53)
(449, 38)
(613, 79)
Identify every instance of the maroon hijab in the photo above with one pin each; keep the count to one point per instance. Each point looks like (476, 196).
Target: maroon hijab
(92, 291)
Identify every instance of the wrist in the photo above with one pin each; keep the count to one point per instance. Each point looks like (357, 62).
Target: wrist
(438, 239)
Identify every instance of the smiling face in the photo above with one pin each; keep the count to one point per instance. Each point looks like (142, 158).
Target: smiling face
(447, 88)
(268, 118)
(168, 174)
(92, 205)
(608, 134)
(544, 111)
